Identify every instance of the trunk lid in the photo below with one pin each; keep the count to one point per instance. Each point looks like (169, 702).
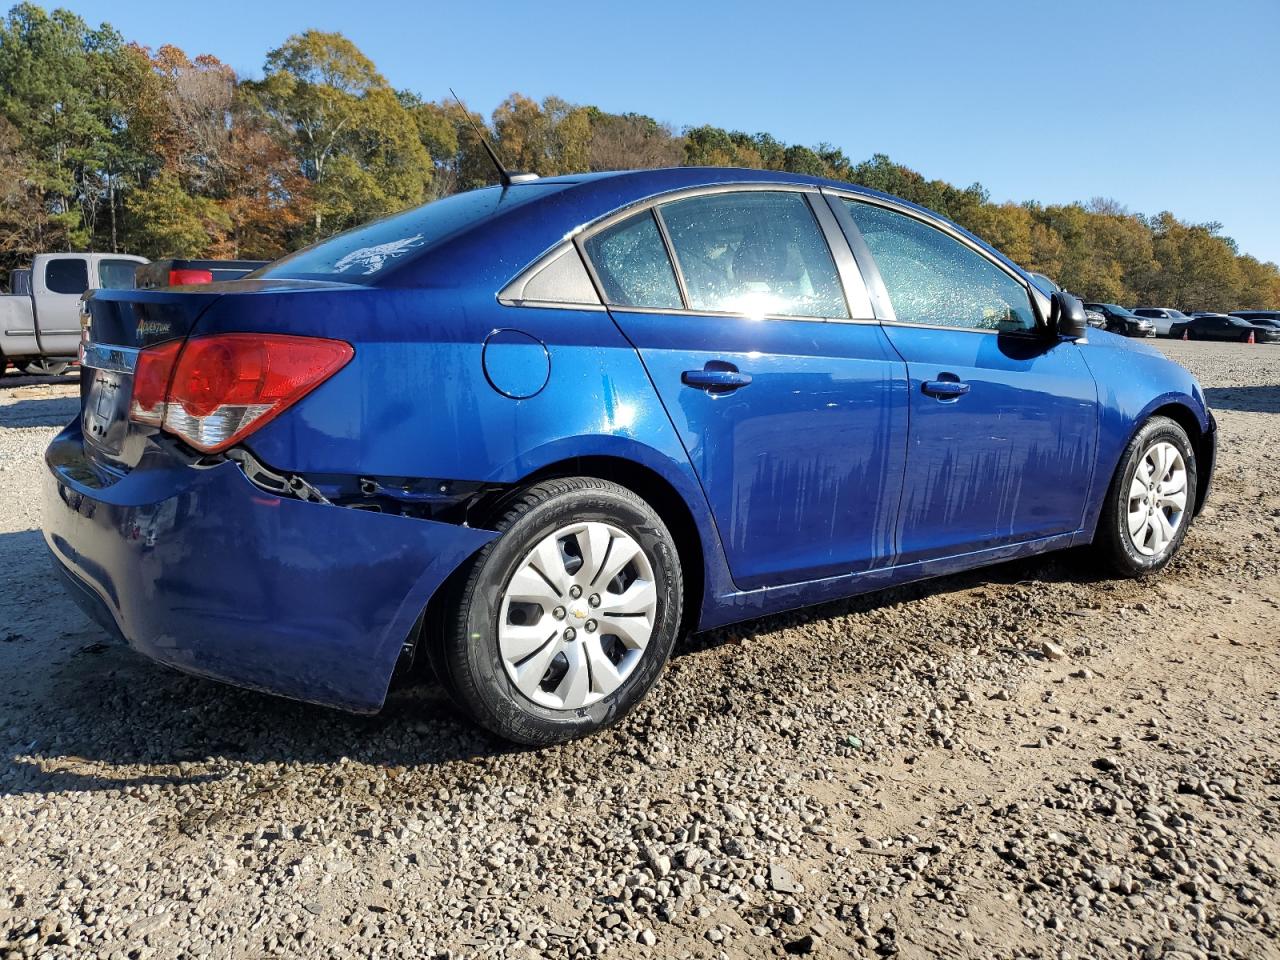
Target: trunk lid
(120, 323)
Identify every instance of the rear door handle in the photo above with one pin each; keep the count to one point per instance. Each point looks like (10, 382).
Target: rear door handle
(945, 389)
(716, 377)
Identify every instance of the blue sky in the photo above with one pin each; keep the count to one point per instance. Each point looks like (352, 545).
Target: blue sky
(1172, 105)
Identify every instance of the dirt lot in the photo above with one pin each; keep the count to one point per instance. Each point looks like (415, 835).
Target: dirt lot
(914, 773)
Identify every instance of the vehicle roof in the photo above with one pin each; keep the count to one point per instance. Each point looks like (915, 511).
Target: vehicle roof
(506, 242)
(90, 255)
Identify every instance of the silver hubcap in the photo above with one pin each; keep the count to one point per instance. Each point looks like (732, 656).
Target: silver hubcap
(577, 615)
(1157, 499)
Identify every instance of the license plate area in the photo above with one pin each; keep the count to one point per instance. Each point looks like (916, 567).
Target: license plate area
(105, 420)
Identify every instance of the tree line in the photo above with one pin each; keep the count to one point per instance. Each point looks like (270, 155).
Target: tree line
(108, 145)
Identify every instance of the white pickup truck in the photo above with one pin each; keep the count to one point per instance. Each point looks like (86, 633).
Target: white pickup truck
(40, 316)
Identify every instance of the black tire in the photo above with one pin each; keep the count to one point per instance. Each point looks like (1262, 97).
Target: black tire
(466, 655)
(1112, 542)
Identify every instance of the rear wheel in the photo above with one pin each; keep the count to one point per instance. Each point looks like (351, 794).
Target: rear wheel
(562, 624)
(45, 368)
(1151, 500)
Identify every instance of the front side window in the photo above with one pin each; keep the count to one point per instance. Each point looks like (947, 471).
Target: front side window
(116, 274)
(67, 276)
(759, 253)
(632, 264)
(934, 279)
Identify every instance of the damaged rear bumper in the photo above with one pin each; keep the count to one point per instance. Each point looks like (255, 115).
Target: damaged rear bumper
(201, 570)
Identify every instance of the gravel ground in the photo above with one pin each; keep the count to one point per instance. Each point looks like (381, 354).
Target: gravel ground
(1025, 761)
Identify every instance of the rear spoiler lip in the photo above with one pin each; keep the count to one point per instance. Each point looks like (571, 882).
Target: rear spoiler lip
(142, 318)
(217, 289)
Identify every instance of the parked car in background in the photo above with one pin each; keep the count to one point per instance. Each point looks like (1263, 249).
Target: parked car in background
(1263, 318)
(1119, 320)
(176, 273)
(1221, 326)
(536, 432)
(40, 317)
(1162, 317)
(1094, 319)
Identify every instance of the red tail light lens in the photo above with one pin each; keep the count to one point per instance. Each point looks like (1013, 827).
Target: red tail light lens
(177, 278)
(151, 382)
(212, 391)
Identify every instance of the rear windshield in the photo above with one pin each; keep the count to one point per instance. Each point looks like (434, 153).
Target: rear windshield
(364, 254)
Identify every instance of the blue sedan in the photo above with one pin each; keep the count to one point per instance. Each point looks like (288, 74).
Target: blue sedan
(534, 433)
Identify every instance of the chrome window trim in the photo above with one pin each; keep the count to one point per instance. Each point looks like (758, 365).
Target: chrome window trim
(1039, 303)
(811, 192)
(729, 315)
(555, 305)
(113, 359)
(880, 306)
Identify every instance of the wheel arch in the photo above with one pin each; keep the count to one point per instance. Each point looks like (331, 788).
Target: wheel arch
(661, 494)
(1182, 413)
(1201, 441)
(689, 523)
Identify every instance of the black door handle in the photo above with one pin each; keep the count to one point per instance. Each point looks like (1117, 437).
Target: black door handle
(716, 377)
(945, 389)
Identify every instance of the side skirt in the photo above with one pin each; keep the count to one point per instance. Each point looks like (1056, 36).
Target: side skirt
(749, 604)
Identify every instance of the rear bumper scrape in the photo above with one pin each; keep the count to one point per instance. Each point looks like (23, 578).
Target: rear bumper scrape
(202, 570)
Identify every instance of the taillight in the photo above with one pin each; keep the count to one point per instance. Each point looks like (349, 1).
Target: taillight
(151, 382)
(178, 277)
(212, 391)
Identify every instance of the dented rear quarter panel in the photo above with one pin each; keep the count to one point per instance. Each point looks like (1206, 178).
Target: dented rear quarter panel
(416, 399)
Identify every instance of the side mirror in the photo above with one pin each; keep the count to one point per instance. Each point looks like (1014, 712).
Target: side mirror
(1067, 319)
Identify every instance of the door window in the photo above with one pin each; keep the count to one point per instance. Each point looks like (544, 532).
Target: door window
(632, 263)
(759, 253)
(935, 279)
(117, 274)
(66, 276)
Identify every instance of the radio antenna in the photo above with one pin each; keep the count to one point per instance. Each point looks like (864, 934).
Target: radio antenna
(505, 177)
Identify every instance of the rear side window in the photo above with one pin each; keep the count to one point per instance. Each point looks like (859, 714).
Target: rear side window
(117, 274)
(934, 279)
(759, 253)
(67, 276)
(562, 280)
(632, 264)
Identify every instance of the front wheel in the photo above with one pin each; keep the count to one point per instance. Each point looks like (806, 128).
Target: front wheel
(562, 624)
(1151, 500)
